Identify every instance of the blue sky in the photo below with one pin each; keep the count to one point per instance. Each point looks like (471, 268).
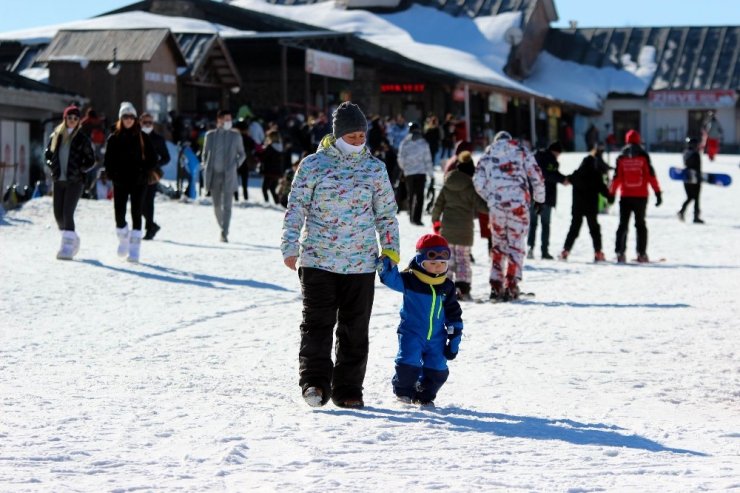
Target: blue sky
(615, 13)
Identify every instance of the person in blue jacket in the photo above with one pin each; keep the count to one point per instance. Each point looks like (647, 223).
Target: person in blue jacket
(431, 325)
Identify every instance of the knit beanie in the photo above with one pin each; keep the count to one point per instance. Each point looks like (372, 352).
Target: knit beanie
(126, 109)
(71, 110)
(348, 118)
(633, 137)
(432, 243)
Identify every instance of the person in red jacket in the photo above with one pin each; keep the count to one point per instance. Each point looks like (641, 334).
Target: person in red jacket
(632, 176)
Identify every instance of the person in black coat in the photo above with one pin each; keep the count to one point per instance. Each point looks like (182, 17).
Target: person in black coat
(70, 156)
(692, 178)
(547, 160)
(273, 162)
(130, 158)
(588, 183)
(163, 157)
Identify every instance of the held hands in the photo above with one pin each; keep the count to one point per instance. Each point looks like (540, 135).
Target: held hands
(437, 227)
(658, 199)
(453, 344)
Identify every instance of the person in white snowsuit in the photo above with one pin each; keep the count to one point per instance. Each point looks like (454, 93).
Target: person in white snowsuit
(503, 178)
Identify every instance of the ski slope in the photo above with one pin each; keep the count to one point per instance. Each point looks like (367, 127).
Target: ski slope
(180, 373)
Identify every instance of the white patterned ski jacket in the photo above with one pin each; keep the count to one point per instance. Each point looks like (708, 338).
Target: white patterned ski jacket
(414, 156)
(339, 207)
(504, 173)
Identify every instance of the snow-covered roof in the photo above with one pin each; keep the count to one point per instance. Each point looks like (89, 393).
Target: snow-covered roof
(473, 49)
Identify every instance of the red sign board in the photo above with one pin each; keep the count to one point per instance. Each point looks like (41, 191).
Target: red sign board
(718, 98)
(401, 88)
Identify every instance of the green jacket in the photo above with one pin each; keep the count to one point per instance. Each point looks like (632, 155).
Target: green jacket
(458, 204)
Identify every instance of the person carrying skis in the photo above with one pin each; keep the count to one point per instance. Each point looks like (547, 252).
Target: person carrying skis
(503, 177)
(431, 321)
(588, 184)
(632, 176)
(692, 178)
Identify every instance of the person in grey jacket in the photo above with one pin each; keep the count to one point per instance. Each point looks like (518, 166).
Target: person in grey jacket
(415, 160)
(341, 216)
(223, 152)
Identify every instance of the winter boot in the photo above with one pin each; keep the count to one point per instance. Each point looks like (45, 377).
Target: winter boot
(530, 253)
(564, 255)
(313, 396)
(698, 220)
(599, 256)
(512, 291)
(643, 258)
(67, 250)
(151, 231)
(680, 215)
(76, 248)
(123, 236)
(621, 258)
(497, 290)
(546, 256)
(134, 246)
(463, 291)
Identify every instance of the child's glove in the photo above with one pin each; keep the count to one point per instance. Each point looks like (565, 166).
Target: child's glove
(453, 344)
(437, 227)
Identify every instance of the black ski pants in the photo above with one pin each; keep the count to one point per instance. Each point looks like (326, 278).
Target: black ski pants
(344, 301)
(415, 189)
(627, 207)
(269, 184)
(692, 193)
(66, 196)
(121, 193)
(575, 228)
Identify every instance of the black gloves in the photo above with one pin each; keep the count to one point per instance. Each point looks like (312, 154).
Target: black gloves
(611, 199)
(658, 199)
(453, 344)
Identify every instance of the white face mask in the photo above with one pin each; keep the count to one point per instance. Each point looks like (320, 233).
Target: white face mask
(227, 125)
(348, 148)
(147, 130)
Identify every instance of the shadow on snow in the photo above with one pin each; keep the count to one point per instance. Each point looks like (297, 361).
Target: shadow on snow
(183, 277)
(574, 304)
(506, 425)
(249, 247)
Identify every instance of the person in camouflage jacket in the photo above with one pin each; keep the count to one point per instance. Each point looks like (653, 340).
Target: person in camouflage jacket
(503, 177)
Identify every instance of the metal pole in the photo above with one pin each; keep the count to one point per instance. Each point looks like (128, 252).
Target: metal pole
(467, 112)
(532, 127)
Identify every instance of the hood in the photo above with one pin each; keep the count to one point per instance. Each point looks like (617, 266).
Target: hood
(457, 181)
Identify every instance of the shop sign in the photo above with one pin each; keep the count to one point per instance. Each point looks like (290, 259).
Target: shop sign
(402, 88)
(497, 102)
(330, 65)
(458, 95)
(719, 98)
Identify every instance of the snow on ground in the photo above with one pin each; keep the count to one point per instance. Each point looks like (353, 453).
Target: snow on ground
(180, 373)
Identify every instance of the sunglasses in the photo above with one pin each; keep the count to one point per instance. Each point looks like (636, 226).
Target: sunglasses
(147, 123)
(128, 117)
(73, 117)
(438, 255)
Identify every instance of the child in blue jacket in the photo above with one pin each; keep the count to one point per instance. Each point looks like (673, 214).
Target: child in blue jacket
(431, 325)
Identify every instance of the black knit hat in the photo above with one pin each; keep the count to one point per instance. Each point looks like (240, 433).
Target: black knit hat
(348, 118)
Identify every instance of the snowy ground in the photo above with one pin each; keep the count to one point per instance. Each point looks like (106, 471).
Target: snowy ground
(181, 373)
